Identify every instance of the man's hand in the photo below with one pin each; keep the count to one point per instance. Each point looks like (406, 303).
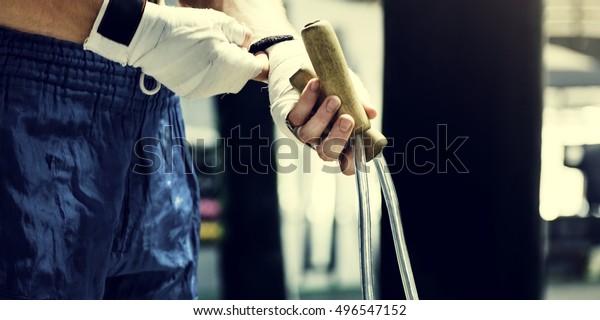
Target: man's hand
(194, 52)
(268, 18)
(319, 130)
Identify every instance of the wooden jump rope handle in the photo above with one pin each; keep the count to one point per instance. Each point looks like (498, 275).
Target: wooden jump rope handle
(332, 70)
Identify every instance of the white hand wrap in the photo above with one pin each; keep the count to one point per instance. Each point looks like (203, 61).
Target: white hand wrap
(194, 52)
(284, 60)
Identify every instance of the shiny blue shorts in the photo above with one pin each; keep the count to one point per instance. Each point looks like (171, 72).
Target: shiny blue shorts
(98, 196)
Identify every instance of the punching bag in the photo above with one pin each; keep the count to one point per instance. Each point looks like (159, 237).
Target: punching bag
(462, 109)
(251, 261)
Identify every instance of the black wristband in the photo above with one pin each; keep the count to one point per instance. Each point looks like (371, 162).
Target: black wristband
(121, 20)
(264, 43)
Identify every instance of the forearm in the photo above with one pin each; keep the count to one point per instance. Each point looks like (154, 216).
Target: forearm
(66, 20)
(264, 17)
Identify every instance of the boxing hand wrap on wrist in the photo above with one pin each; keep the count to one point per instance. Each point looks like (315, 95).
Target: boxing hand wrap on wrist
(114, 28)
(193, 52)
(121, 19)
(285, 59)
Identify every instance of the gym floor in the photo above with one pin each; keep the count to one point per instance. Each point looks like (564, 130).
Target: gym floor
(210, 287)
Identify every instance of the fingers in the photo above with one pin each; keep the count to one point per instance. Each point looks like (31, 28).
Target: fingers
(313, 129)
(229, 71)
(320, 128)
(237, 32)
(370, 110)
(247, 38)
(301, 112)
(347, 161)
(334, 144)
(330, 146)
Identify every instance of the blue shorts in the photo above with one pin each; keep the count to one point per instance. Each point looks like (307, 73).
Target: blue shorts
(98, 196)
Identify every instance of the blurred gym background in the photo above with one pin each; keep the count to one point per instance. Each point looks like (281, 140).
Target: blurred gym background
(519, 78)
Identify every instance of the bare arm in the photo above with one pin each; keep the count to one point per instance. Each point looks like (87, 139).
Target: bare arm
(264, 17)
(66, 20)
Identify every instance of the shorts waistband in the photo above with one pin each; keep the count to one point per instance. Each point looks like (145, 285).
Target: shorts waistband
(65, 64)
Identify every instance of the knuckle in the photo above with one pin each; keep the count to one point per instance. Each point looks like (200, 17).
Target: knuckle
(303, 135)
(349, 171)
(322, 153)
(327, 153)
(293, 120)
(332, 150)
(324, 157)
(294, 117)
(345, 167)
(308, 134)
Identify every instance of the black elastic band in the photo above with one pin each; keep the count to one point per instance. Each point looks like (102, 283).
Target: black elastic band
(264, 43)
(121, 20)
